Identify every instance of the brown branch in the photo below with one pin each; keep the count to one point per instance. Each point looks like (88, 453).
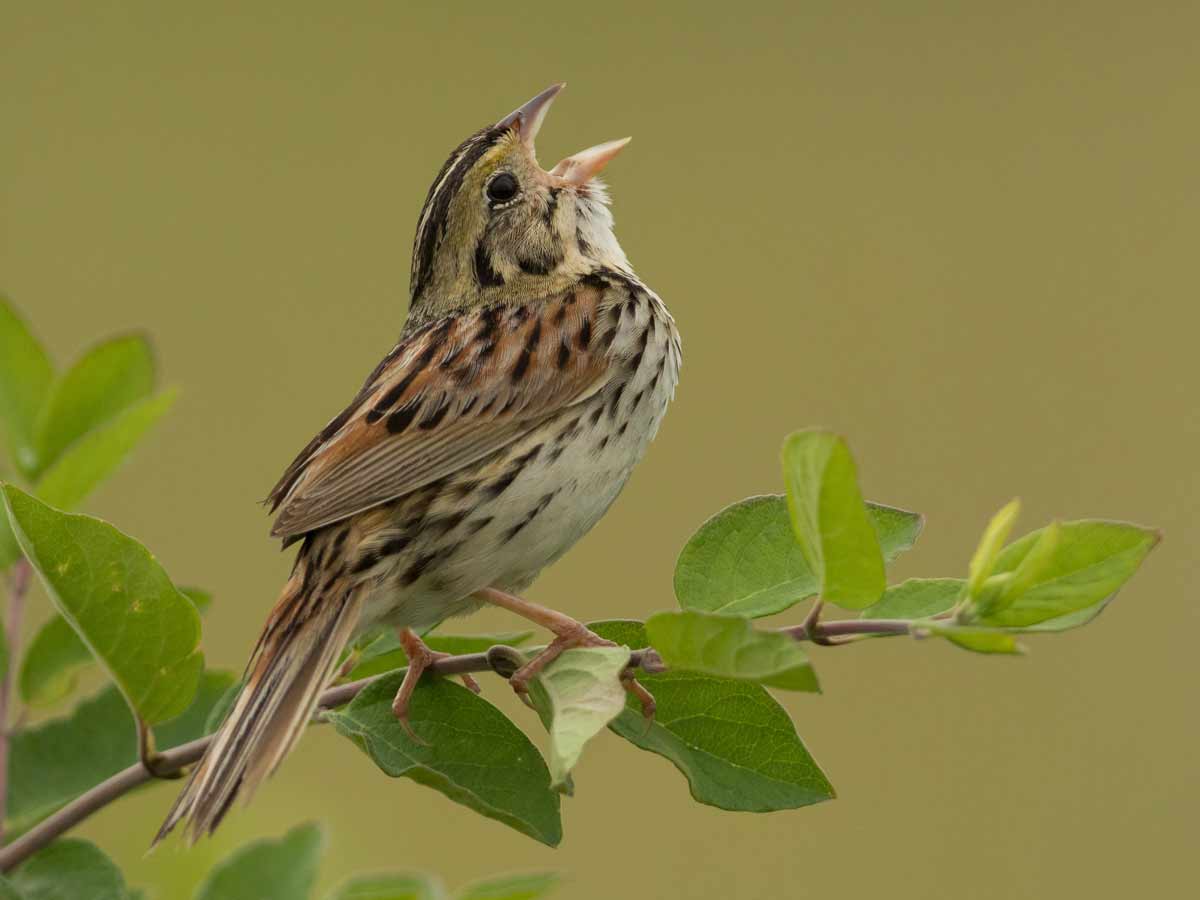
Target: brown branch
(21, 574)
(500, 659)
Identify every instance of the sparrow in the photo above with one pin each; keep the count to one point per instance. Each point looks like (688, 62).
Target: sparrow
(532, 372)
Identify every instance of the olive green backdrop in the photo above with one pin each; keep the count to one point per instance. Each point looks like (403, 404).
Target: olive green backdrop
(965, 235)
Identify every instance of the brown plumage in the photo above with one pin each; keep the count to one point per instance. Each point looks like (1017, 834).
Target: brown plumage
(532, 373)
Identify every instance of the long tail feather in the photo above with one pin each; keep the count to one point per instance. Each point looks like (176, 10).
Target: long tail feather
(295, 658)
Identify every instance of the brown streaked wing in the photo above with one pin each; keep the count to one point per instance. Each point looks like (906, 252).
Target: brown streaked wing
(446, 397)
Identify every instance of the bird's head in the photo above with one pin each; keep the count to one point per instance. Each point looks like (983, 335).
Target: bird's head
(497, 226)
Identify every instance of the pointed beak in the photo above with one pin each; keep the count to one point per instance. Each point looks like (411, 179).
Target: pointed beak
(587, 164)
(527, 119)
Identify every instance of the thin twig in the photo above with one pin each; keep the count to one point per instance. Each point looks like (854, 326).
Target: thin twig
(499, 660)
(819, 632)
(21, 573)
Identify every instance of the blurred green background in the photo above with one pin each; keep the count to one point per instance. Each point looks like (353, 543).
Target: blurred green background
(962, 234)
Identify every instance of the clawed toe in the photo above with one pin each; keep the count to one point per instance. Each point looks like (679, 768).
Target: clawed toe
(645, 698)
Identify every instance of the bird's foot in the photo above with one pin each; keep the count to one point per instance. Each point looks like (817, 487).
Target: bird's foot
(568, 635)
(420, 658)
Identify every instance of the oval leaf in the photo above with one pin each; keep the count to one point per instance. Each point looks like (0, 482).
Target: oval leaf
(284, 869)
(471, 753)
(1089, 561)
(119, 600)
(105, 381)
(57, 760)
(100, 452)
(983, 561)
(50, 668)
(978, 640)
(390, 887)
(511, 887)
(69, 869)
(51, 664)
(735, 745)
(583, 693)
(745, 561)
(830, 519)
(26, 374)
(917, 598)
(729, 647)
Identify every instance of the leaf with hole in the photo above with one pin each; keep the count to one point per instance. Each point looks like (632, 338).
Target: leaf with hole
(471, 752)
(730, 647)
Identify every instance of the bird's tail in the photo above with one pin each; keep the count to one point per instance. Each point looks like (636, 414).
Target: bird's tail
(294, 660)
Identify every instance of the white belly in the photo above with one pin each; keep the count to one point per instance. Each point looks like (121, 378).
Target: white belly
(570, 472)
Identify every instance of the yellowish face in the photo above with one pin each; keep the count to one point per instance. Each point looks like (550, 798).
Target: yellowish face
(496, 225)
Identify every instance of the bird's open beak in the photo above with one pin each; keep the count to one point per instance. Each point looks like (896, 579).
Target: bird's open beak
(527, 119)
(587, 164)
(578, 169)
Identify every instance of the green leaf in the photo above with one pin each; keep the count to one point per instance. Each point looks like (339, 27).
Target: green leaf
(584, 693)
(220, 709)
(57, 760)
(383, 653)
(50, 668)
(25, 377)
(284, 869)
(978, 640)
(10, 551)
(1076, 619)
(120, 602)
(100, 452)
(69, 869)
(471, 753)
(984, 559)
(390, 887)
(511, 887)
(745, 560)
(105, 381)
(729, 647)
(917, 598)
(51, 664)
(1089, 562)
(736, 746)
(830, 521)
(201, 599)
(8, 891)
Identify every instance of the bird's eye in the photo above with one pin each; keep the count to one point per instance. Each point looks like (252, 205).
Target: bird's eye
(502, 188)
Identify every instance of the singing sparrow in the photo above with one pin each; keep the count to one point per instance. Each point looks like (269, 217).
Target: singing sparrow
(532, 372)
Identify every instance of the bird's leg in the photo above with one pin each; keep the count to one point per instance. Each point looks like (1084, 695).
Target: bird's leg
(420, 657)
(568, 634)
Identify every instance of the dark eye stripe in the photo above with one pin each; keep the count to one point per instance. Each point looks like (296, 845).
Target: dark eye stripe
(432, 222)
